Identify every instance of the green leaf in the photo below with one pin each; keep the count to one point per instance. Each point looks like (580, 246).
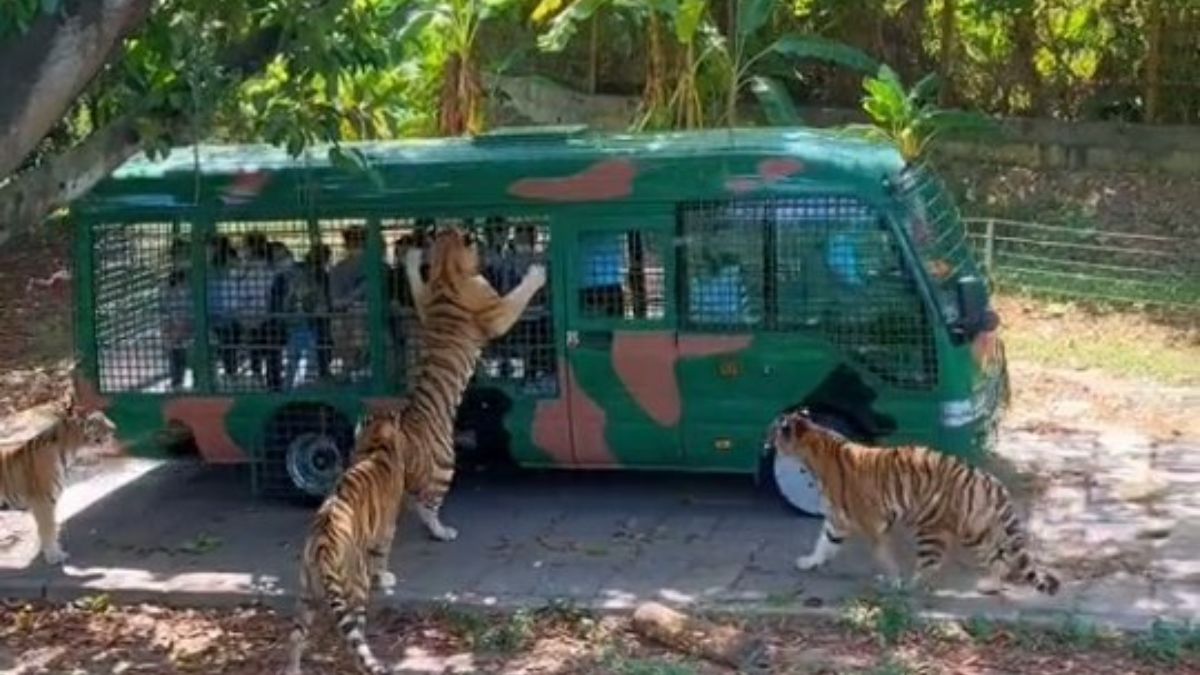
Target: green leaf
(544, 10)
(752, 15)
(811, 47)
(776, 103)
(50, 6)
(414, 24)
(925, 89)
(687, 20)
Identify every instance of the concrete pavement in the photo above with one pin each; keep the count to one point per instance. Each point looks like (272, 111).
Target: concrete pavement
(187, 534)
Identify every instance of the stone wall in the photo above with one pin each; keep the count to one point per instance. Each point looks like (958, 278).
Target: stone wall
(1029, 143)
(1112, 177)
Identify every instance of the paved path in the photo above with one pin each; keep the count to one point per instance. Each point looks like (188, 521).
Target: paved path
(187, 534)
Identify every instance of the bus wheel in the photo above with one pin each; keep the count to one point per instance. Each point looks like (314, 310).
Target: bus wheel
(795, 486)
(308, 447)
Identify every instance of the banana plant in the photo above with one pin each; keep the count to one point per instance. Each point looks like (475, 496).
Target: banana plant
(910, 119)
(742, 61)
(457, 23)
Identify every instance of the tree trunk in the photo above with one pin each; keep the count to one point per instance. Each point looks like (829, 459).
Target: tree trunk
(594, 54)
(1025, 55)
(949, 32)
(33, 194)
(1154, 40)
(46, 68)
(697, 637)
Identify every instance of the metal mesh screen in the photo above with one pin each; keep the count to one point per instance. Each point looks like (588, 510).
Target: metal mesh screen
(287, 304)
(825, 265)
(143, 306)
(622, 275)
(937, 234)
(524, 357)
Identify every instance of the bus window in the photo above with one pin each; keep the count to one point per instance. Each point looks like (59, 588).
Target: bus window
(722, 258)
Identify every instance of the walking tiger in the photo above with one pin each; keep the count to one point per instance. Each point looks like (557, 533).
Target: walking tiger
(867, 490)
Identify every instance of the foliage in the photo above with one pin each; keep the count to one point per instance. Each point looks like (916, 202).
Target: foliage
(910, 119)
(711, 69)
(16, 16)
(740, 60)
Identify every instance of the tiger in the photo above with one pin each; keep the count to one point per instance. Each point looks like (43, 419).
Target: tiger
(33, 471)
(405, 451)
(866, 490)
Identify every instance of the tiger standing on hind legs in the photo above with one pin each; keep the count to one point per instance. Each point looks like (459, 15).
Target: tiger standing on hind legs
(406, 451)
(867, 490)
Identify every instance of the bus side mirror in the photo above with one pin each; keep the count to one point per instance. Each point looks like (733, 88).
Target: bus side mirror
(974, 317)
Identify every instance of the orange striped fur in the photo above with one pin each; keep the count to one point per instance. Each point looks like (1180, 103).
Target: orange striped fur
(33, 473)
(408, 451)
(944, 500)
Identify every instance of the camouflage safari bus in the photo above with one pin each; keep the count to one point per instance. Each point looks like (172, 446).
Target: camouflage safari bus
(699, 283)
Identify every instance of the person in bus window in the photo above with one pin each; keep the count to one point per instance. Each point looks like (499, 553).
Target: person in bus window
(222, 288)
(256, 275)
(177, 312)
(348, 297)
(602, 278)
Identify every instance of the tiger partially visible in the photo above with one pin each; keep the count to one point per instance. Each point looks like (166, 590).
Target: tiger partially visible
(406, 451)
(33, 470)
(867, 490)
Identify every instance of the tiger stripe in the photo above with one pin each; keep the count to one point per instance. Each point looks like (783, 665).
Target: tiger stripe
(943, 499)
(405, 452)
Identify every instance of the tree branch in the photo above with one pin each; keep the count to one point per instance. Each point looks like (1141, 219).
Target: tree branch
(31, 195)
(47, 67)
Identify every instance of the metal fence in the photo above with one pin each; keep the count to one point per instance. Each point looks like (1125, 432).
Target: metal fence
(1089, 264)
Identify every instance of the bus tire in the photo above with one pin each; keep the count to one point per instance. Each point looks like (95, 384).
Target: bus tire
(795, 487)
(307, 447)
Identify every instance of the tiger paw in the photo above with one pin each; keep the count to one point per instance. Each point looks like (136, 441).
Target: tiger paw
(385, 580)
(54, 555)
(990, 586)
(443, 533)
(807, 563)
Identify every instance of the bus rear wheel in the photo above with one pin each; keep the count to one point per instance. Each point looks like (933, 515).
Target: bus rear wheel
(308, 446)
(795, 486)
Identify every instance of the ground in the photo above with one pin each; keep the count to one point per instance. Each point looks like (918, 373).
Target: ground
(1099, 446)
(246, 641)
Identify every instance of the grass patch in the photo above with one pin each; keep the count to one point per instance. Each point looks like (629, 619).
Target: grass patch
(888, 614)
(1129, 344)
(618, 664)
(1166, 643)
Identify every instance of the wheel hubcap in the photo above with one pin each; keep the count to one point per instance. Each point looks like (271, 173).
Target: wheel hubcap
(313, 463)
(799, 487)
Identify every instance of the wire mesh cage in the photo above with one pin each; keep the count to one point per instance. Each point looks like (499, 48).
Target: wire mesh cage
(143, 312)
(286, 304)
(825, 265)
(522, 358)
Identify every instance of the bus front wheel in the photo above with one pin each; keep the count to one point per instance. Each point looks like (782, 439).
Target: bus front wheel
(307, 449)
(792, 482)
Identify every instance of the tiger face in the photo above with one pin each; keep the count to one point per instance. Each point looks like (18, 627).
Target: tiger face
(97, 428)
(453, 256)
(787, 432)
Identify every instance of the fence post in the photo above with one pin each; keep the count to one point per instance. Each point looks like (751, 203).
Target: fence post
(989, 245)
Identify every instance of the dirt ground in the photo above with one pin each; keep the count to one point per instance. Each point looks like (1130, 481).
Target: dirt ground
(91, 639)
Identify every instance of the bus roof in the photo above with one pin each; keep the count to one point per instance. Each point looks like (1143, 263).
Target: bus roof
(542, 164)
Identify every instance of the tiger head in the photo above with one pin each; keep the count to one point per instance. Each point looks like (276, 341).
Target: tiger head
(95, 426)
(453, 256)
(796, 433)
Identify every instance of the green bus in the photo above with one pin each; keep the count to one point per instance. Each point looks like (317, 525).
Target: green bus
(699, 284)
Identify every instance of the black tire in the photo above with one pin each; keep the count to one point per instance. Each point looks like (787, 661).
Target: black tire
(317, 436)
(805, 505)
